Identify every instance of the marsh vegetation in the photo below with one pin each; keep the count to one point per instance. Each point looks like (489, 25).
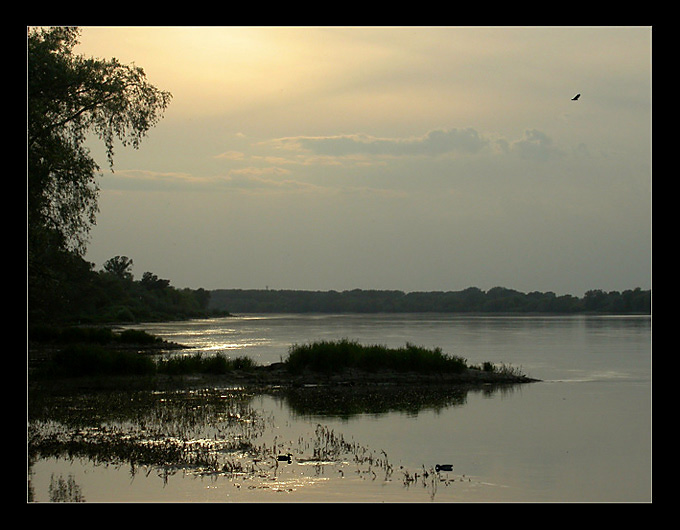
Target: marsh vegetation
(102, 352)
(205, 433)
(216, 431)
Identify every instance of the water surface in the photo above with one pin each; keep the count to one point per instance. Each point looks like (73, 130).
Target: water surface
(583, 434)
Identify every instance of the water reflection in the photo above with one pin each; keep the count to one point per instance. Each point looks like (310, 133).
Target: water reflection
(65, 490)
(223, 433)
(378, 400)
(570, 438)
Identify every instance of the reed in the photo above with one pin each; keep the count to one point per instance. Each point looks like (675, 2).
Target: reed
(334, 356)
(91, 335)
(78, 360)
(207, 364)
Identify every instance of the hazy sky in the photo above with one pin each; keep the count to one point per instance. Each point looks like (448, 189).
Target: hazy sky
(411, 158)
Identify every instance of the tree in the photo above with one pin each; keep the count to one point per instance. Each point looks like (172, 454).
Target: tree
(69, 98)
(150, 281)
(120, 267)
(594, 300)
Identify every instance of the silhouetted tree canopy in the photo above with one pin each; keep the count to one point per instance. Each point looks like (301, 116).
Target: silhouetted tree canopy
(70, 99)
(112, 295)
(120, 267)
(470, 300)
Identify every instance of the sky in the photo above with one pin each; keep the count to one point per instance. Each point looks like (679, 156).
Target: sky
(407, 158)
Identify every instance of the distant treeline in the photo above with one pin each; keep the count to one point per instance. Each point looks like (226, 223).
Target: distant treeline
(69, 291)
(470, 300)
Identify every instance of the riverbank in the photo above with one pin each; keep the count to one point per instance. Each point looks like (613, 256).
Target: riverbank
(337, 363)
(277, 376)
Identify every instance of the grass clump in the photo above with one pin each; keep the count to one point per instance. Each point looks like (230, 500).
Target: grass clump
(91, 335)
(198, 363)
(82, 360)
(334, 356)
(89, 360)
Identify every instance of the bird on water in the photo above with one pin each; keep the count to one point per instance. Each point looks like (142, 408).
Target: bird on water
(575, 98)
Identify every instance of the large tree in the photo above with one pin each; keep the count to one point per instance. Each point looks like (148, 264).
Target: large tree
(70, 100)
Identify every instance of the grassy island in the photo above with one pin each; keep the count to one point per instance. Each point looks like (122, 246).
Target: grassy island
(106, 356)
(335, 356)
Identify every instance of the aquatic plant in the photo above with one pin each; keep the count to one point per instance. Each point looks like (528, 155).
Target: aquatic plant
(200, 363)
(94, 359)
(200, 431)
(65, 490)
(507, 369)
(333, 356)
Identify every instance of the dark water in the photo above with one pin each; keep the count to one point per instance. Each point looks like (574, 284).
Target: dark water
(582, 434)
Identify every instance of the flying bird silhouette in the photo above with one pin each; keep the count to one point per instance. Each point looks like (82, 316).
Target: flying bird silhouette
(575, 98)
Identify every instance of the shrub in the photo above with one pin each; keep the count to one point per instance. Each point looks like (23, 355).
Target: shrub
(488, 366)
(137, 336)
(81, 360)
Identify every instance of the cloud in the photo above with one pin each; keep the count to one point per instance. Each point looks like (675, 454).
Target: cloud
(535, 145)
(532, 145)
(231, 155)
(138, 179)
(324, 164)
(259, 172)
(434, 143)
(257, 182)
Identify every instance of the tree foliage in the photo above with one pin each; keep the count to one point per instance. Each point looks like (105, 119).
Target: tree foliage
(470, 300)
(112, 295)
(120, 267)
(69, 98)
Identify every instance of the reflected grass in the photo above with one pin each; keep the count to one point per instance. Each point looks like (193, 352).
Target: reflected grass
(207, 432)
(375, 400)
(198, 430)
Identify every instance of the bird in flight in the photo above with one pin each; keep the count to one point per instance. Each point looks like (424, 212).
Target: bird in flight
(575, 98)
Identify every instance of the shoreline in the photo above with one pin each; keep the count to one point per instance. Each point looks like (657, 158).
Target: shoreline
(276, 377)
(277, 373)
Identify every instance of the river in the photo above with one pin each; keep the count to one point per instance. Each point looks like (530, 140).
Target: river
(582, 434)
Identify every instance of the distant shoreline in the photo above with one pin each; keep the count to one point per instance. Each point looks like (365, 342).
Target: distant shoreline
(495, 301)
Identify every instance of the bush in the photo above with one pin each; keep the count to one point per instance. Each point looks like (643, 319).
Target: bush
(488, 366)
(119, 313)
(82, 360)
(137, 336)
(71, 335)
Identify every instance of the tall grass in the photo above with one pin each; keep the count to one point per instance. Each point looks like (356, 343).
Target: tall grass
(198, 363)
(91, 335)
(333, 356)
(91, 359)
(81, 360)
